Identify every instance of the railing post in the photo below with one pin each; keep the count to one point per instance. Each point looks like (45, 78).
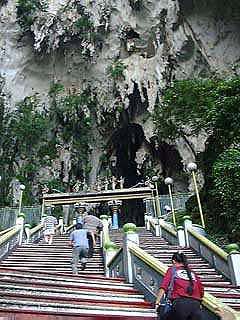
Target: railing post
(105, 231)
(158, 228)
(20, 223)
(60, 222)
(130, 237)
(234, 263)
(109, 247)
(181, 236)
(187, 225)
(147, 222)
(27, 228)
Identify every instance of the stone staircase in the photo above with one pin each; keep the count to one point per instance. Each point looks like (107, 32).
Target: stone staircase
(36, 283)
(214, 282)
(52, 258)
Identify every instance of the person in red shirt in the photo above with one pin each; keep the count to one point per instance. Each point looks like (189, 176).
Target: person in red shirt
(187, 291)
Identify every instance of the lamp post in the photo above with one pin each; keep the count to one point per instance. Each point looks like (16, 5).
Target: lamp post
(169, 181)
(153, 201)
(114, 206)
(155, 180)
(192, 167)
(21, 188)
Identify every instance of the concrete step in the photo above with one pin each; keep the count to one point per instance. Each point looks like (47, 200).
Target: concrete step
(96, 296)
(214, 282)
(68, 308)
(63, 278)
(36, 282)
(80, 285)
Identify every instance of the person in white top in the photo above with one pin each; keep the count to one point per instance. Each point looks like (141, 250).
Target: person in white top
(49, 223)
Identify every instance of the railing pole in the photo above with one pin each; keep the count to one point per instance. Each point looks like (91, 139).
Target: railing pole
(20, 223)
(109, 248)
(130, 237)
(198, 199)
(234, 263)
(181, 236)
(27, 232)
(187, 225)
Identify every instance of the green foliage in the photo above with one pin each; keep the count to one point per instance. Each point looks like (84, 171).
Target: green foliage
(31, 135)
(69, 112)
(116, 70)
(226, 179)
(57, 211)
(191, 107)
(83, 24)
(71, 115)
(55, 89)
(54, 184)
(23, 133)
(210, 105)
(66, 29)
(26, 9)
(28, 124)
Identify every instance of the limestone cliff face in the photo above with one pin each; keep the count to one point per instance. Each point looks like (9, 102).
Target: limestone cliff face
(152, 42)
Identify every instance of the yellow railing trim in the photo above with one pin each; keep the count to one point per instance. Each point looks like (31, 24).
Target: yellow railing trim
(106, 238)
(6, 231)
(9, 234)
(215, 305)
(35, 229)
(115, 256)
(152, 223)
(69, 227)
(220, 252)
(209, 301)
(148, 259)
(166, 227)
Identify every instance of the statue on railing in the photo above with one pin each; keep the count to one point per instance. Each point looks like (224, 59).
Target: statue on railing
(114, 182)
(106, 183)
(98, 185)
(148, 183)
(77, 186)
(45, 189)
(121, 182)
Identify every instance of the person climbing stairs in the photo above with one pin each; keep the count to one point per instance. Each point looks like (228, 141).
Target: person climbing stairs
(36, 282)
(214, 282)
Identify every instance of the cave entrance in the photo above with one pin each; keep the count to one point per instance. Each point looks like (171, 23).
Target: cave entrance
(126, 141)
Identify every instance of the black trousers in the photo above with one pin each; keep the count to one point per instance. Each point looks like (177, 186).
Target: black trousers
(90, 243)
(184, 309)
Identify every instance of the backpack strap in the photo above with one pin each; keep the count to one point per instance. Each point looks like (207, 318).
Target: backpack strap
(171, 284)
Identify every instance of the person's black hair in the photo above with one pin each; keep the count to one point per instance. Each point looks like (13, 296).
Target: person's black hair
(181, 258)
(79, 226)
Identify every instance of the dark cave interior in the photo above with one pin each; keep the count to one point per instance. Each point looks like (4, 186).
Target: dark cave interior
(126, 141)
